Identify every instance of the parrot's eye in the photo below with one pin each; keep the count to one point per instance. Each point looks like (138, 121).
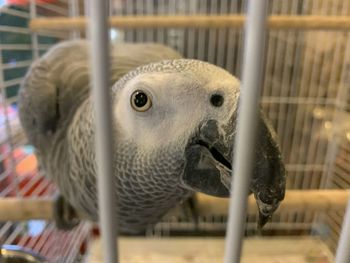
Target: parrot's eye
(140, 101)
(216, 100)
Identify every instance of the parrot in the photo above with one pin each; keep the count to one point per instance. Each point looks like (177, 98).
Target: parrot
(174, 124)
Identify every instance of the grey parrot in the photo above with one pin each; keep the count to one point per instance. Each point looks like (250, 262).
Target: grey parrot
(174, 127)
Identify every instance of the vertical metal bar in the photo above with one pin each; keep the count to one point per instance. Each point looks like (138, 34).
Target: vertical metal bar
(34, 36)
(343, 251)
(129, 10)
(192, 33)
(87, 15)
(246, 127)
(160, 31)
(103, 121)
(87, 8)
(149, 8)
(140, 36)
(74, 12)
(232, 42)
(203, 5)
(110, 7)
(222, 37)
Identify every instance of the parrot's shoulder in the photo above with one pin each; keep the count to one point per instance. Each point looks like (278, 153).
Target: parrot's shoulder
(51, 88)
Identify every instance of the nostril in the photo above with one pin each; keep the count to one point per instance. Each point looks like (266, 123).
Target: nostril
(217, 100)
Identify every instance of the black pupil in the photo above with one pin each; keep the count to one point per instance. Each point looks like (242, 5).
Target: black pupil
(217, 100)
(140, 99)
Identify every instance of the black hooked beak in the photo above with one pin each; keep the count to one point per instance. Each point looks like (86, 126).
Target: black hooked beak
(209, 158)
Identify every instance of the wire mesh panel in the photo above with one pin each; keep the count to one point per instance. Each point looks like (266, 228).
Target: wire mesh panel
(20, 176)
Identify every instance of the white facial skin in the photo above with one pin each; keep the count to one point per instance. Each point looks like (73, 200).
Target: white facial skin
(180, 103)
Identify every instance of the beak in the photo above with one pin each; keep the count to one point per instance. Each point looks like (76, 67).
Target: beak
(208, 167)
(205, 174)
(269, 177)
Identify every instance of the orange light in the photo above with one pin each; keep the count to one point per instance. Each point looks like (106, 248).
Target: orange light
(27, 165)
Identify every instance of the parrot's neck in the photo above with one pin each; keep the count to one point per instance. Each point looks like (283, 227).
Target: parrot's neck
(147, 184)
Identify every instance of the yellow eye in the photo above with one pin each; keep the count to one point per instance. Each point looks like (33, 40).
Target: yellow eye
(140, 101)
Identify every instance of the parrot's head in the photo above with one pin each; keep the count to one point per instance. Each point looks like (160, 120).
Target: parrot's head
(190, 107)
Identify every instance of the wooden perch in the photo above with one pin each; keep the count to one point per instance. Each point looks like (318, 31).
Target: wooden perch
(196, 21)
(25, 209)
(295, 200)
(16, 209)
(298, 249)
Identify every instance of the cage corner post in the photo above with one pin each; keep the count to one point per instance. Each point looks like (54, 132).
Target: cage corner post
(98, 29)
(343, 250)
(255, 29)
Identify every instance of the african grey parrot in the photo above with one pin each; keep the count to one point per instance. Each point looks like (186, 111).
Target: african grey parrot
(174, 124)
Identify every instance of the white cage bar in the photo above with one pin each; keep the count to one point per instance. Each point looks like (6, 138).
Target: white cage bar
(34, 36)
(343, 251)
(104, 123)
(246, 127)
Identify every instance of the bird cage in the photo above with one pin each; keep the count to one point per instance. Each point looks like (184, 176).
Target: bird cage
(305, 94)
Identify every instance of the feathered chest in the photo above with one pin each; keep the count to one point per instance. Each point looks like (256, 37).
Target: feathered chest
(147, 184)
